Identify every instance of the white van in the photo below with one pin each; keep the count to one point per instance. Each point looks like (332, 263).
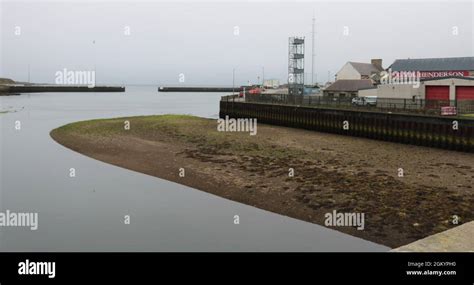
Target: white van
(365, 101)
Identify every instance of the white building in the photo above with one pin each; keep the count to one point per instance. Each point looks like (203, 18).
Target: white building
(271, 83)
(358, 70)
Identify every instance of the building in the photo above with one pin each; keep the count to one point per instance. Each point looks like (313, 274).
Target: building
(436, 67)
(453, 88)
(358, 70)
(347, 87)
(311, 90)
(271, 83)
(439, 79)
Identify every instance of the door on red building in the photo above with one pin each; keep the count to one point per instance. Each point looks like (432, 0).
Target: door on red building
(464, 93)
(465, 98)
(437, 96)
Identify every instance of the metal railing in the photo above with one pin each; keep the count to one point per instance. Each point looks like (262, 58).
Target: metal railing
(396, 105)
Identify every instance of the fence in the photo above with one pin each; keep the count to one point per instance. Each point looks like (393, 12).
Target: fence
(396, 105)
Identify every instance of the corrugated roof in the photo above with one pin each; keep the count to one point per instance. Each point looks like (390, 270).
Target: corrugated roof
(433, 64)
(365, 68)
(350, 85)
(447, 77)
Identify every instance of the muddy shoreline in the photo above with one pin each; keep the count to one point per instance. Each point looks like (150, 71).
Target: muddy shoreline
(331, 172)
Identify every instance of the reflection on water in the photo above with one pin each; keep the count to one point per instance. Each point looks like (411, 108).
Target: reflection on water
(87, 212)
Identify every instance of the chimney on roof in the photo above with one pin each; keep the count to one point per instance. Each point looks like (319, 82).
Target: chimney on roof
(377, 62)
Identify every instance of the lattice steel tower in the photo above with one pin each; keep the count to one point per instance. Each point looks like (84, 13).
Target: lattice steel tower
(295, 65)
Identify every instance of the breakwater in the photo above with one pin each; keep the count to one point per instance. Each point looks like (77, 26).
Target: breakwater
(60, 88)
(199, 89)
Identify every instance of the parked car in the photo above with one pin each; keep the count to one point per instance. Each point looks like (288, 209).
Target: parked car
(256, 91)
(365, 101)
(251, 91)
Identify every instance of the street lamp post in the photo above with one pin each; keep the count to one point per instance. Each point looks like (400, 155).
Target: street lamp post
(233, 81)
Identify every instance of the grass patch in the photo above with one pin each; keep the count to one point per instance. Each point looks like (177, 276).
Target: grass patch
(201, 133)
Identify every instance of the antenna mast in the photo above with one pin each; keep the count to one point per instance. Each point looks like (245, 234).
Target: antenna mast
(312, 54)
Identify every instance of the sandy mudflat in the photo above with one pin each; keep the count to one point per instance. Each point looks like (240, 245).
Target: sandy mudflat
(332, 172)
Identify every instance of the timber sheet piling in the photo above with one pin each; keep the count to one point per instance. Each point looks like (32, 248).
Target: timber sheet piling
(442, 132)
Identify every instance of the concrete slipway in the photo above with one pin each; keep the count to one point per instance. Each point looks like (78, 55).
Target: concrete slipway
(458, 239)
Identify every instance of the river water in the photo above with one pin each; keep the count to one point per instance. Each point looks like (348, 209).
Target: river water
(87, 212)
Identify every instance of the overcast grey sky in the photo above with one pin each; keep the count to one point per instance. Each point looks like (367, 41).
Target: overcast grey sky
(198, 39)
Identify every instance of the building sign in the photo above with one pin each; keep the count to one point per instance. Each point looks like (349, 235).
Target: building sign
(448, 111)
(431, 74)
(434, 74)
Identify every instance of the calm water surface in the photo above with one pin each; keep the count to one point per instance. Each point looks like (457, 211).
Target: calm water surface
(86, 213)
